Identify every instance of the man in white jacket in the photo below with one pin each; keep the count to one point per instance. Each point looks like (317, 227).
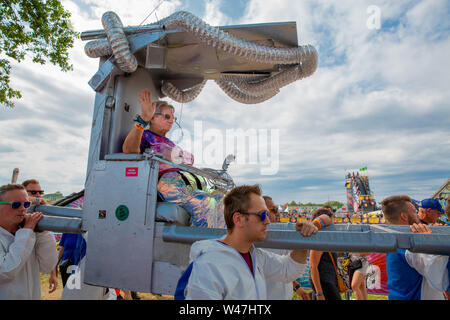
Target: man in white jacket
(231, 267)
(23, 252)
(413, 276)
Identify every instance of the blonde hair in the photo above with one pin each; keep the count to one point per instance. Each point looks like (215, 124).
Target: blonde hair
(9, 187)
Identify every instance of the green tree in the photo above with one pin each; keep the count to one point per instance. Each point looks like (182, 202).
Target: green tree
(40, 28)
(334, 204)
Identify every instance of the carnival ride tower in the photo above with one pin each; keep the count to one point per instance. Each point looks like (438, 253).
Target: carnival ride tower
(360, 198)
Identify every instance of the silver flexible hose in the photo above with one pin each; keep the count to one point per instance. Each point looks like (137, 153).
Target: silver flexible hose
(234, 93)
(98, 48)
(292, 73)
(181, 96)
(303, 60)
(118, 41)
(229, 43)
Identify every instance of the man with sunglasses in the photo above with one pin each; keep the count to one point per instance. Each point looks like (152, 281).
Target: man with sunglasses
(429, 211)
(34, 191)
(231, 267)
(24, 253)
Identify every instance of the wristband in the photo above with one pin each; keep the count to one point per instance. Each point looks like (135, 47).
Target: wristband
(320, 223)
(139, 127)
(138, 120)
(296, 287)
(319, 294)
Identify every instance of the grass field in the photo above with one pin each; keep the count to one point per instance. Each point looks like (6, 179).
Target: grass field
(56, 295)
(369, 296)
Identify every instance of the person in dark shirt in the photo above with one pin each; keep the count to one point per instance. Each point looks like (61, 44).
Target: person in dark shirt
(323, 276)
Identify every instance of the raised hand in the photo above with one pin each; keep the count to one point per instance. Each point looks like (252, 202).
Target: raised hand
(147, 106)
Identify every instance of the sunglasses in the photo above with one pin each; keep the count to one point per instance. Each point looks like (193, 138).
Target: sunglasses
(262, 214)
(274, 209)
(35, 192)
(167, 116)
(17, 204)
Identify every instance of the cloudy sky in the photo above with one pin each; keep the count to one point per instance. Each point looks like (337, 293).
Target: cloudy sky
(380, 98)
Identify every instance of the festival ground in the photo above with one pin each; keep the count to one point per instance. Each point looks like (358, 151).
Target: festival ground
(56, 295)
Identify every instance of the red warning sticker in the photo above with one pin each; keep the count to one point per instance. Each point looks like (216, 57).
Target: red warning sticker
(131, 172)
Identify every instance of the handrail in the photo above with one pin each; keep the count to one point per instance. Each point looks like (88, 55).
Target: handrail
(343, 238)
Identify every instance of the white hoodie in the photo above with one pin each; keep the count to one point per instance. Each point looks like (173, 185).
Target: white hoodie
(220, 273)
(22, 257)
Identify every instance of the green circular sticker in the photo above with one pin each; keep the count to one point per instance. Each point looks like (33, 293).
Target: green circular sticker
(122, 213)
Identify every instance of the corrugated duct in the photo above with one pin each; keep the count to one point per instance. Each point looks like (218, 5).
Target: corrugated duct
(302, 61)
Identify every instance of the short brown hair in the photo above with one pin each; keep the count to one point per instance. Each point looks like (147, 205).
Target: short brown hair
(236, 200)
(29, 181)
(9, 187)
(393, 206)
(322, 211)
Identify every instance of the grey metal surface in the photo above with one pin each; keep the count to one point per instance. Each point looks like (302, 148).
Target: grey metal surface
(58, 219)
(120, 240)
(124, 157)
(50, 210)
(169, 262)
(353, 238)
(60, 224)
(165, 277)
(127, 106)
(282, 32)
(172, 213)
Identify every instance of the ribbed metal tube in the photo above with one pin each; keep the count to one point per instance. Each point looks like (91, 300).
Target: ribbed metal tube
(302, 60)
(236, 94)
(181, 96)
(98, 48)
(290, 74)
(118, 41)
(229, 43)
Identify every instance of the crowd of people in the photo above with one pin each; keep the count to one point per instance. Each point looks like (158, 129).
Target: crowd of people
(245, 272)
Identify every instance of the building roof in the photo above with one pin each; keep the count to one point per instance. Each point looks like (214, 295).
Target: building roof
(443, 192)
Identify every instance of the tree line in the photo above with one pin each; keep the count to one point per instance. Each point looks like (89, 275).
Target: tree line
(334, 204)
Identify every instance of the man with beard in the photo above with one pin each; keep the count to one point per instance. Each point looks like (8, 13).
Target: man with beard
(412, 276)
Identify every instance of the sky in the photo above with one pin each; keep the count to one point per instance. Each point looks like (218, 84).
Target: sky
(380, 98)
